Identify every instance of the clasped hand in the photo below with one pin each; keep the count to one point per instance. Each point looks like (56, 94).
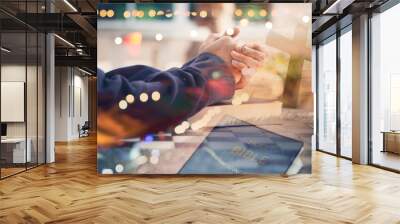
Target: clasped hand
(236, 55)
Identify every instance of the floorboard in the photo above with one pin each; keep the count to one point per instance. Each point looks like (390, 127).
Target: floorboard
(70, 191)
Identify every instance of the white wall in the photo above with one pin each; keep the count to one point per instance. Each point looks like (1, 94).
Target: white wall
(33, 126)
(71, 94)
(16, 73)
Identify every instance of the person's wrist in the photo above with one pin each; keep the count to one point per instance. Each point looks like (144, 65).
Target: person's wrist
(212, 55)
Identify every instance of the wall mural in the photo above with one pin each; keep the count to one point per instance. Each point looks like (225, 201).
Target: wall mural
(204, 88)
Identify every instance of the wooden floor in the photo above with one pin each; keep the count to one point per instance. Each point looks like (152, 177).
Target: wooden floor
(70, 191)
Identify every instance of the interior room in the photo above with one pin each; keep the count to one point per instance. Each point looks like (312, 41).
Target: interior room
(53, 53)
(23, 96)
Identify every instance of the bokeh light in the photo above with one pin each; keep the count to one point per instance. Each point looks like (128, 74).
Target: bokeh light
(152, 13)
(155, 96)
(203, 14)
(134, 38)
(244, 22)
(159, 37)
(118, 40)
(250, 13)
(130, 98)
(238, 12)
(268, 25)
(144, 97)
(110, 13)
(263, 13)
(127, 14)
(230, 31)
(193, 33)
(103, 13)
(119, 168)
(123, 104)
(306, 19)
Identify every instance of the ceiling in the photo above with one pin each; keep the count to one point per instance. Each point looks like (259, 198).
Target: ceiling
(76, 22)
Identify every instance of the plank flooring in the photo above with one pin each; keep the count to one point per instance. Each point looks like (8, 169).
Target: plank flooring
(70, 191)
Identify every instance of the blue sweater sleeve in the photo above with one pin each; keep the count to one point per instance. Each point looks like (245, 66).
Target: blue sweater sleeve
(183, 91)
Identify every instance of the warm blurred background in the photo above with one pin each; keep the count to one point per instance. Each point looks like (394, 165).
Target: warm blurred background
(167, 35)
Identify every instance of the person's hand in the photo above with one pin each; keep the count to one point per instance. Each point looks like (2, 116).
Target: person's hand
(247, 56)
(220, 46)
(235, 55)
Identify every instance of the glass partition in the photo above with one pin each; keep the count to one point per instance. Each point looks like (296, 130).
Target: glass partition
(41, 96)
(14, 153)
(327, 96)
(22, 90)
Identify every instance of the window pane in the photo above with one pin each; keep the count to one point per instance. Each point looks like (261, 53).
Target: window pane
(386, 89)
(346, 94)
(327, 97)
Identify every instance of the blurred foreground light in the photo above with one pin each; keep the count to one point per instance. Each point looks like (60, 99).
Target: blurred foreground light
(160, 13)
(203, 14)
(135, 38)
(130, 98)
(194, 13)
(238, 12)
(244, 22)
(306, 19)
(250, 13)
(149, 138)
(110, 13)
(140, 13)
(119, 168)
(168, 15)
(268, 25)
(107, 171)
(152, 13)
(179, 129)
(123, 105)
(118, 40)
(144, 97)
(155, 96)
(127, 14)
(263, 12)
(103, 13)
(193, 33)
(230, 31)
(159, 37)
(216, 75)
